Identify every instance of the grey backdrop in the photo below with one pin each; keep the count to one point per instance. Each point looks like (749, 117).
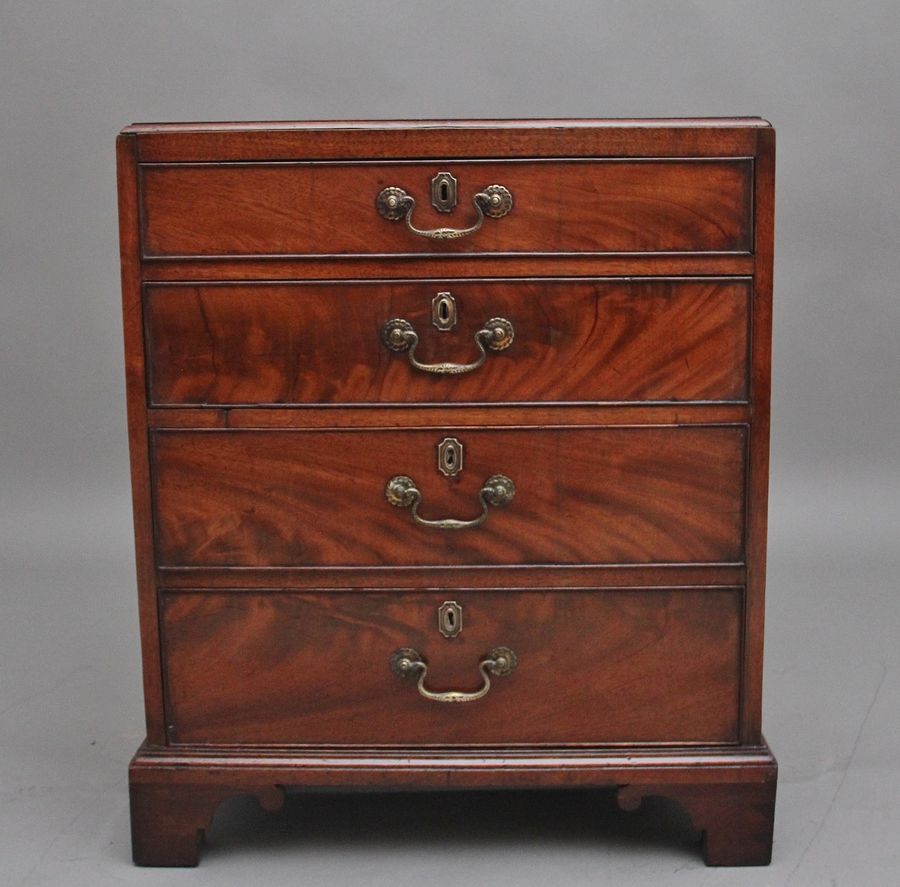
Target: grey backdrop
(72, 73)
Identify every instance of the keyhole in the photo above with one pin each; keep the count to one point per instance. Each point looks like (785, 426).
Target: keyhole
(443, 311)
(443, 192)
(450, 457)
(450, 621)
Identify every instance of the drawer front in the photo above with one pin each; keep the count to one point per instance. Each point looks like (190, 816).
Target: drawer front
(575, 206)
(574, 340)
(592, 666)
(318, 498)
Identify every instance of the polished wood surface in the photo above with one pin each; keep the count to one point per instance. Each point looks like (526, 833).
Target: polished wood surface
(469, 416)
(736, 821)
(138, 441)
(579, 206)
(632, 412)
(454, 267)
(355, 139)
(279, 669)
(758, 462)
(728, 793)
(600, 495)
(575, 340)
(167, 822)
(362, 580)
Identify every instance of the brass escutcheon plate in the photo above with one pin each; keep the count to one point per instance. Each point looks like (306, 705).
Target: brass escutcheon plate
(450, 457)
(450, 619)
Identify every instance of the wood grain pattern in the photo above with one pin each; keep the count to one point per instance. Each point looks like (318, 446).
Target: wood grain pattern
(168, 821)
(138, 443)
(736, 820)
(176, 790)
(560, 207)
(289, 140)
(468, 416)
(636, 428)
(361, 580)
(286, 669)
(758, 457)
(271, 268)
(440, 767)
(602, 495)
(575, 340)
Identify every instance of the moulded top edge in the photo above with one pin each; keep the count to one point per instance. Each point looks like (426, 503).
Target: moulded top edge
(475, 123)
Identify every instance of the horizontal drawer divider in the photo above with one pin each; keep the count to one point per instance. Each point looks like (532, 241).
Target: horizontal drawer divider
(515, 577)
(456, 415)
(262, 269)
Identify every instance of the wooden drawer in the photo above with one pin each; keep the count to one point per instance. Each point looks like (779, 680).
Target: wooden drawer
(561, 206)
(574, 340)
(599, 667)
(610, 495)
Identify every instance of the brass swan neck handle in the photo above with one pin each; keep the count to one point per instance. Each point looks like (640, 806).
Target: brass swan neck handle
(496, 335)
(408, 663)
(402, 492)
(394, 204)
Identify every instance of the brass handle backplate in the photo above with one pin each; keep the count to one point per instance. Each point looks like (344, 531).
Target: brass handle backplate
(408, 663)
(498, 490)
(394, 204)
(497, 335)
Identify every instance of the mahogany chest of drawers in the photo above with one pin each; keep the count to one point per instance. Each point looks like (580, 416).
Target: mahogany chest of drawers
(449, 445)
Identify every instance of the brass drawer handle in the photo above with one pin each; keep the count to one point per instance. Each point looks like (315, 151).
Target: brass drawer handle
(497, 490)
(394, 204)
(407, 663)
(399, 335)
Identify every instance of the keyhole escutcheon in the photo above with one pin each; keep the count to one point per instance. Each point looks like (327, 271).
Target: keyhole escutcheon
(443, 311)
(450, 457)
(443, 192)
(450, 619)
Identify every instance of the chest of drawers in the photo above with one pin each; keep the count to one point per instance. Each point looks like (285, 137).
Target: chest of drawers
(449, 450)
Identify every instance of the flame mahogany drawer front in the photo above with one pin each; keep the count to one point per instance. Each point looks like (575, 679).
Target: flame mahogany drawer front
(572, 340)
(288, 669)
(321, 498)
(579, 206)
(449, 452)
